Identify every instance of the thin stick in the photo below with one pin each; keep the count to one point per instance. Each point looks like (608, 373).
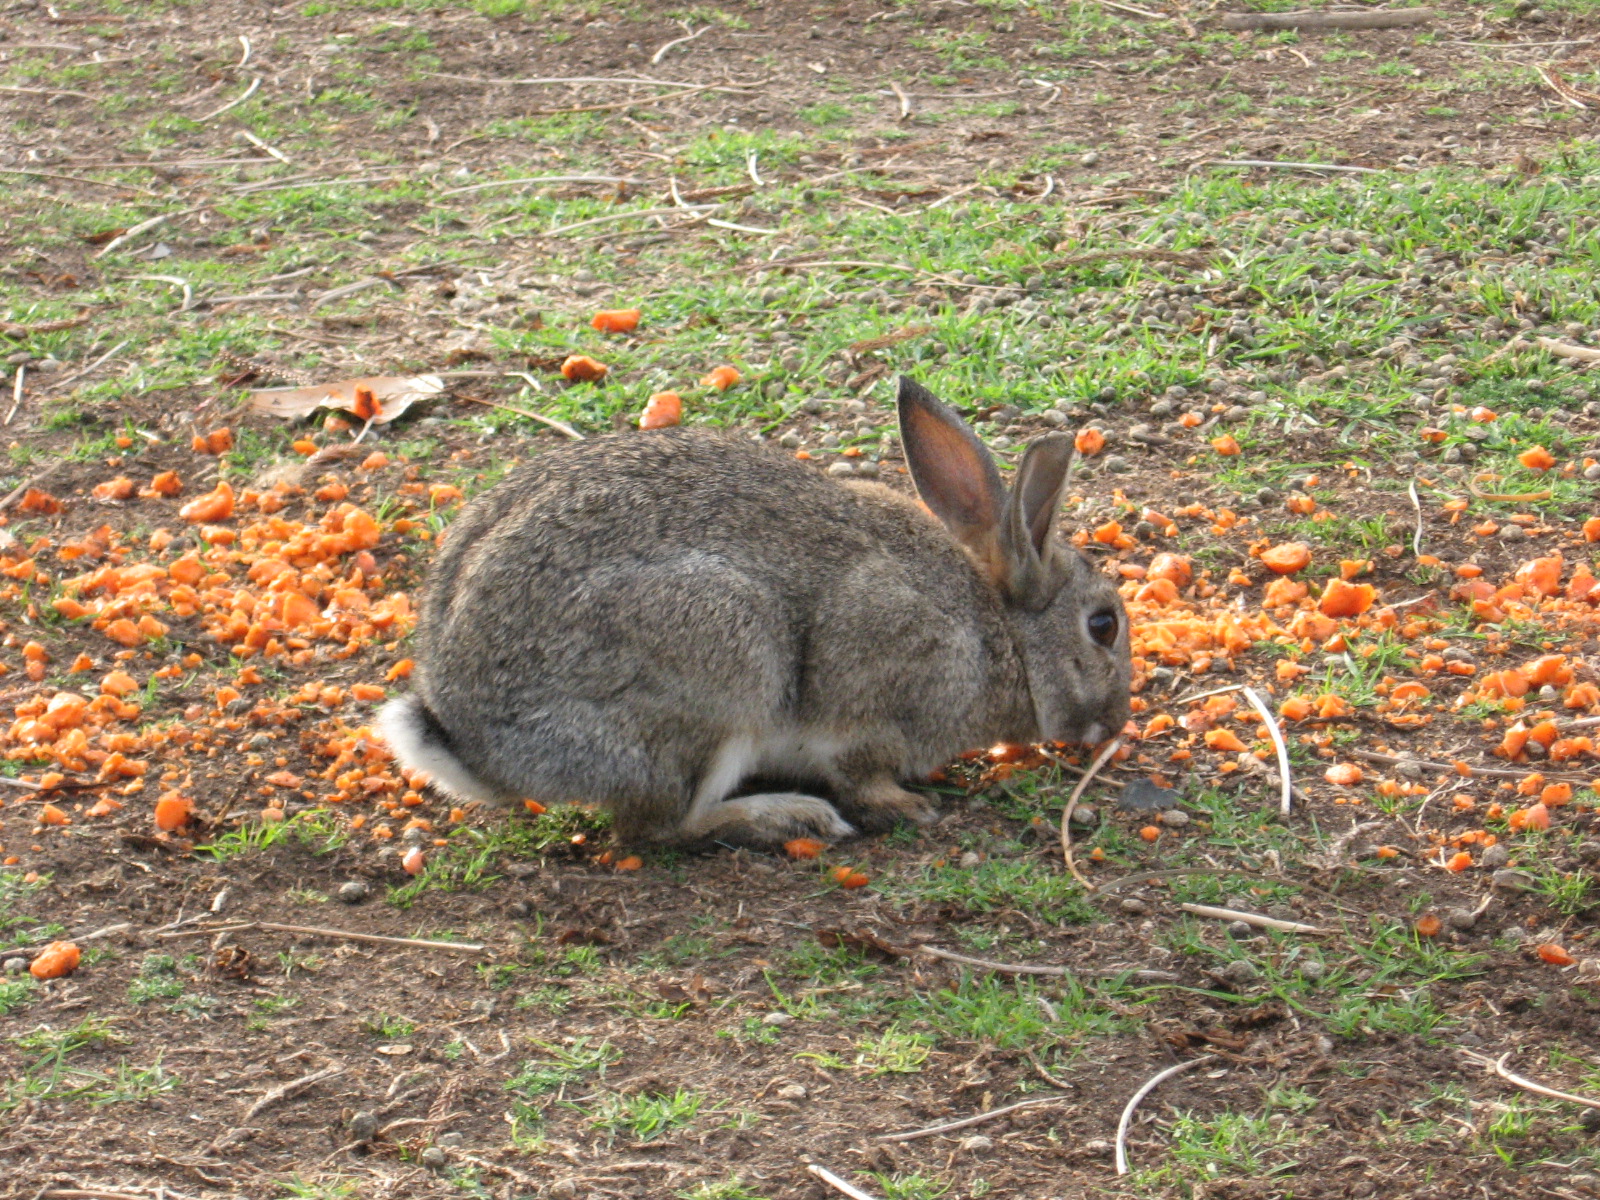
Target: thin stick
(1249, 918)
(272, 150)
(1391, 19)
(741, 228)
(905, 100)
(1390, 760)
(532, 179)
(1292, 166)
(616, 104)
(95, 365)
(1568, 350)
(750, 169)
(28, 91)
(1150, 1085)
(623, 216)
(1286, 801)
(293, 1088)
(1072, 803)
(1499, 1068)
(128, 235)
(351, 936)
(248, 92)
(558, 426)
(985, 964)
(121, 187)
(1416, 502)
(837, 1184)
(1221, 691)
(16, 392)
(579, 79)
(1138, 12)
(1505, 497)
(978, 1119)
(655, 59)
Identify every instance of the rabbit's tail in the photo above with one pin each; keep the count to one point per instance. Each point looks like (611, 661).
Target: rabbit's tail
(421, 743)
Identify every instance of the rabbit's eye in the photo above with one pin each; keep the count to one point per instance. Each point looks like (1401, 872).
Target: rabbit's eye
(1103, 627)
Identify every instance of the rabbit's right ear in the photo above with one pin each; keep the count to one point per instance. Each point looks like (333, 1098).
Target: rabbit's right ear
(954, 473)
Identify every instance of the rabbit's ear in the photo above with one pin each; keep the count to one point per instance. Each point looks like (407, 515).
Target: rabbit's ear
(953, 471)
(1031, 516)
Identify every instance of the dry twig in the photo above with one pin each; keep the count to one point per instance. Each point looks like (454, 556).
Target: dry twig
(1150, 1085)
(1275, 731)
(1498, 1067)
(1383, 19)
(1249, 918)
(837, 1184)
(1072, 802)
(291, 1089)
(964, 1122)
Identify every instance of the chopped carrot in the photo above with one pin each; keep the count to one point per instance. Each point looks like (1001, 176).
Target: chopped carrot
(55, 960)
(722, 378)
(580, 368)
(664, 410)
(1286, 558)
(1428, 925)
(1089, 442)
(1554, 954)
(1344, 774)
(1537, 458)
(616, 320)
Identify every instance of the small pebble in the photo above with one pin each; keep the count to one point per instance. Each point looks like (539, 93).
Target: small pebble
(1090, 159)
(792, 1091)
(1494, 857)
(354, 892)
(1240, 930)
(1513, 533)
(777, 1019)
(1461, 918)
(1240, 970)
(433, 1157)
(452, 1139)
(971, 859)
(1085, 817)
(791, 440)
(16, 966)
(1117, 465)
(977, 1144)
(1134, 906)
(841, 469)
(1312, 969)
(363, 1126)
(1176, 818)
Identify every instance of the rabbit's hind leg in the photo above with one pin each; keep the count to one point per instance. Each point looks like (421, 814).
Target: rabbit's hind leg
(766, 819)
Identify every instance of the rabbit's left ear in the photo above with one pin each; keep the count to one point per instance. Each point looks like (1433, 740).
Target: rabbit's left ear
(954, 473)
(1030, 520)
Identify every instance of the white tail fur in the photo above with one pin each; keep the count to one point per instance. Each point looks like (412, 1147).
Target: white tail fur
(409, 729)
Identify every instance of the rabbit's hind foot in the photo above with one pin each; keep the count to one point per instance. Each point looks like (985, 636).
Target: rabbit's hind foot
(880, 803)
(765, 820)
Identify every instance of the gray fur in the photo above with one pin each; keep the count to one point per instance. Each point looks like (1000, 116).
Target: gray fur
(646, 620)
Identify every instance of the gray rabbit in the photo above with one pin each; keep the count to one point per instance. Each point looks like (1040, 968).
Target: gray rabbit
(708, 638)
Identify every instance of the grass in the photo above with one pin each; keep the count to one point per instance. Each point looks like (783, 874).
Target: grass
(1334, 302)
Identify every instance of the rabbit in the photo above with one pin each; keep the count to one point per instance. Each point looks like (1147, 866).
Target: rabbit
(717, 643)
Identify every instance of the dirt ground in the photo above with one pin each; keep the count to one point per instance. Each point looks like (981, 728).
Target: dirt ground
(709, 1025)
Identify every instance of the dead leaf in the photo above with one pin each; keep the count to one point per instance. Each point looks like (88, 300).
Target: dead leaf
(380, 397)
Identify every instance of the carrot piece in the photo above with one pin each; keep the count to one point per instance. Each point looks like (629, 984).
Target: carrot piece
(721, 378)
(580, 368)
(55, 960)
(616, 320)
(1089, 442)
(662, 411)
(1286, 558)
